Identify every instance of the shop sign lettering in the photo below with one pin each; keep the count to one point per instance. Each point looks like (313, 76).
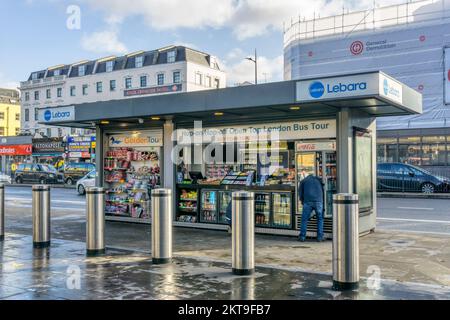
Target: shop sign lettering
(143, 138)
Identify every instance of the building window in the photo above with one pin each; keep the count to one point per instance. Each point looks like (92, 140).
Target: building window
(34, 76)
(27, 96)
(81, 71)
(217, 83)
(198, 79)
(109, 66)
(160, 79)
(49, 132)
(409, 150)
(56, 72)
(171, 56)
(49, 94)
(84, 89)
(36, 114)
(433, 151)
(36, 95)
(17, 131)
(60, 132)
(72, 91)
(99, 87)
(208, 81)
(177, 77)
(143, 81)
(139, 62)
(112, 85)
(2, 131)
(27, 115)
(128, 83)
(59, 92)
(17, 116)
(2, 115)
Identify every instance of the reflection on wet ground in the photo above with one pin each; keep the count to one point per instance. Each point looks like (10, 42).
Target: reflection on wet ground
(64, 272)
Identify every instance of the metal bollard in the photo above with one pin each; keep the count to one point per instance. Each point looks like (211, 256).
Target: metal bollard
(243, 232)
(95, 221)
(2, 212)
(345, 241)
(162, 215)
(41, 216)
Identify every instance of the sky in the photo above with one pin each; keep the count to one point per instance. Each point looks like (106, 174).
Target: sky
(37, 34)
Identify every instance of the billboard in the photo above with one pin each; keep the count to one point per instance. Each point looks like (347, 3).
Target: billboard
(447, 75)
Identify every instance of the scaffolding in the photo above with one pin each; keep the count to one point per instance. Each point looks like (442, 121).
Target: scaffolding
(413, 12)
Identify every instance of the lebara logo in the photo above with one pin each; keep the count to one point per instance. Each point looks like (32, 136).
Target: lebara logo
(316, 89)
(48, 115)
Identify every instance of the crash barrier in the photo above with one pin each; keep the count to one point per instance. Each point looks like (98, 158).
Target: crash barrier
(243, 232)
(41, 216)
(95, 221)
(345, 241)
(162, 215)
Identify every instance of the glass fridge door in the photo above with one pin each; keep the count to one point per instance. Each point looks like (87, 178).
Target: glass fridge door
(262, 209)
(225, 205)
(330, 182)
(305, 161)
(282, 217)
(208, 212)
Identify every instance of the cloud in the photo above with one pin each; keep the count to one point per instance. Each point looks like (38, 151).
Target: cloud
(104, 42)
(240, 70)
(246, 18)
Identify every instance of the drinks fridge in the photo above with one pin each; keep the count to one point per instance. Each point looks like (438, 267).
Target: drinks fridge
(318, 158)
(224, 206)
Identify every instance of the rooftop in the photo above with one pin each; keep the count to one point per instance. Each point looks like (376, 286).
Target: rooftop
(154, 57)
(401, 15)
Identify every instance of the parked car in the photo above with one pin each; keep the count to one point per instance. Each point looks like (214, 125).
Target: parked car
(408, 178)
(87, 181)
(37, 173)
(75, 171)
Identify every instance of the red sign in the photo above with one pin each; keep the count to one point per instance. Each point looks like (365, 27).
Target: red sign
(422, 38)
(154, 90)
(356, 47)
(17, 150)
(448, 75)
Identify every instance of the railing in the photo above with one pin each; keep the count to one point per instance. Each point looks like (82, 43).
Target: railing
(44, 81)
(423, 11)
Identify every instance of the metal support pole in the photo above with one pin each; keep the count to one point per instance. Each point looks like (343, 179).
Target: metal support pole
(95, 221)
(2, 212)
(41, 216)
(345, 241)
(243, 232)
(162, 214)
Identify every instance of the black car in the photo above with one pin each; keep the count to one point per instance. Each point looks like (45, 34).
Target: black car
(407, 178)
(75, 171)
(38, 173)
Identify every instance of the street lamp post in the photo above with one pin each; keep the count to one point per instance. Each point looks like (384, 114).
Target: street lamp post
(255, 61)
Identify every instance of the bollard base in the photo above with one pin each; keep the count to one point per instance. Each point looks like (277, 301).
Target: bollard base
(40, 245)
(2, 238)
(243, 272)
(161, 260)
(95, 253)
(342, 286)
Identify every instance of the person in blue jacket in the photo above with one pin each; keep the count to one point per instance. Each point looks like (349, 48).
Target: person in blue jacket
(310, 193)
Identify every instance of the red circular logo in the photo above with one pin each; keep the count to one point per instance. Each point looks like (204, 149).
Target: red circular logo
(356, 47)
(422, 38)
(420, 87)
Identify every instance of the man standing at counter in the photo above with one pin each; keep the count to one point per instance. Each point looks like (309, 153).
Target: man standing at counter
(310, 193)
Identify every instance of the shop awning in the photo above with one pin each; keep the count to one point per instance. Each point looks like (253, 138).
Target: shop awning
(375, 94)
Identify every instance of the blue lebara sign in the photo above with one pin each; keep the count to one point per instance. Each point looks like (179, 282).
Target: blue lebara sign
(316, 89)
(57, 114)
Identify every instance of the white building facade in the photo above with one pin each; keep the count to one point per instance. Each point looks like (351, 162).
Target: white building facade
(168, 70)
(410, 42)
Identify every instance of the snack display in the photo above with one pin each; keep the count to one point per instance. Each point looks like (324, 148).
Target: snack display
(130, 175)
(187, 206)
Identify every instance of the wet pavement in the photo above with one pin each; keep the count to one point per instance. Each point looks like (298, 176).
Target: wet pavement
(64, 272)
